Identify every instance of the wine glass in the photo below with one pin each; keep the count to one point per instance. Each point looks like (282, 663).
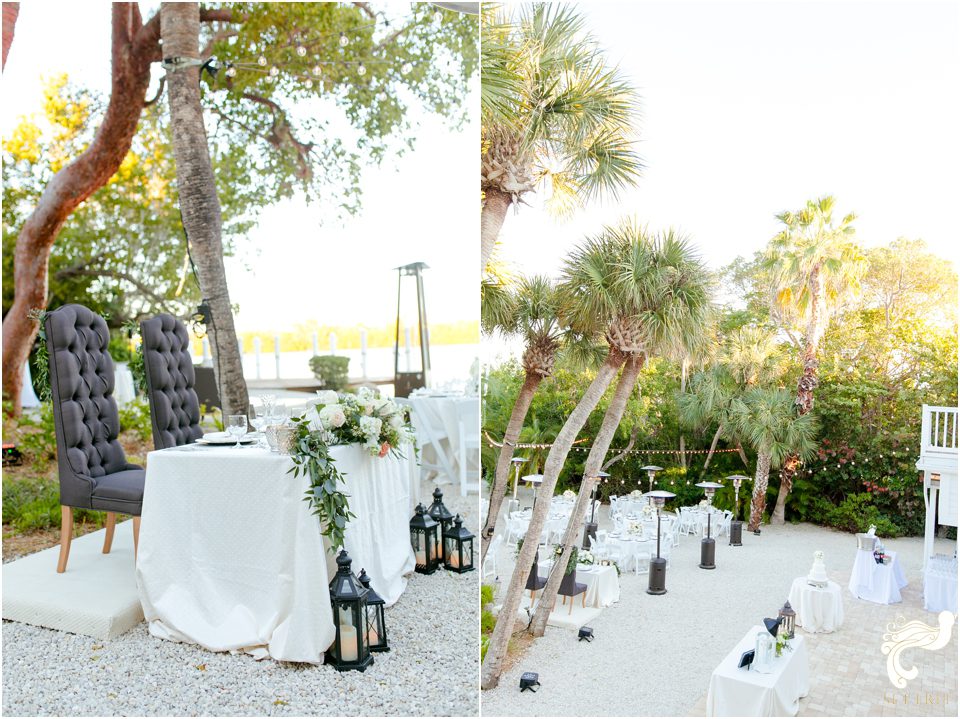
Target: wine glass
(237, 426)
(259, 422)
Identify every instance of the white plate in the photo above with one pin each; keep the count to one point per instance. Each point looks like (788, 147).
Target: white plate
(224, 438)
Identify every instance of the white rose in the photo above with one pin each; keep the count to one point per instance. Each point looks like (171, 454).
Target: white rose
(328, 396)
(332, 416)
(384, 407)
(396, 421)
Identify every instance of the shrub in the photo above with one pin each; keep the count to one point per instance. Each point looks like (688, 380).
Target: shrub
(857, 512)
(34, 503)
(135, 417)
(36, 434)
(331, 370)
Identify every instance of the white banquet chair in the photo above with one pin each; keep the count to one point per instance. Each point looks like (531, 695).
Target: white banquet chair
(491, 558)
(468, 416)
(431, 433)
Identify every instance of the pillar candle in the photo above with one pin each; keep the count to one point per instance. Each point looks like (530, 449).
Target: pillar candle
(421, 557)
(348, 643)
(454, 559)
(372, 637)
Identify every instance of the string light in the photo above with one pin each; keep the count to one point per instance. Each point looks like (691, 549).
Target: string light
(301, 50)
(262, 61)
(406, 68)
(344, 40)
(316, 70)
(308, 84)
(274, 71)
(231, 71)
(361, 70)
(438, 17)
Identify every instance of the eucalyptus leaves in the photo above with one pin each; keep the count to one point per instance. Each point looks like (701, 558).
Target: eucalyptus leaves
(311, 457)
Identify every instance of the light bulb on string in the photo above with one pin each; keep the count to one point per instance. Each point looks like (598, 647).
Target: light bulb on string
(344, 40)
(437, 17)
(274, 71)
(309, 84)
(301, 50)
(262, 61)
(361, 70)
(231, 71)
(405, 70)
(316, 70)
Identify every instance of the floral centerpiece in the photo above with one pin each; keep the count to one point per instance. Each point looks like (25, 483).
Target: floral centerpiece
(636, 494)
(647, 510)
(782, 642)
(585, 557)
(634, 528)
(569, 495)
(379, 424)
(704, 504)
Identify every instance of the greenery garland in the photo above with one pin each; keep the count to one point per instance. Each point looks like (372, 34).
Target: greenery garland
(311, 457)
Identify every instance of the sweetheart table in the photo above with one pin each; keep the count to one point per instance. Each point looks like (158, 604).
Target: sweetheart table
(231, 557)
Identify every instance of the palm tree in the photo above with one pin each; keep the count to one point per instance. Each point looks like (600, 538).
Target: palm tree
(530, 311)
(554, 113)
(815, 265)
(674, 324)
(768, 420)
(619, 284)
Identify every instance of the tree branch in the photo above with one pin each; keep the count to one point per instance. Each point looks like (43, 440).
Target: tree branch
(118, 275)
(634, 433)
(155, 98)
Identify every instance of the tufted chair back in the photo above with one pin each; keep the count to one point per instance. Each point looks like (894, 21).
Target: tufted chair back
(174, 406)
(85, 413)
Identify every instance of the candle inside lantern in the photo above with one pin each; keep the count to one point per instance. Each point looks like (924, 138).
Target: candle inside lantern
(349, 651)
(455, 559)
(421, 557)
(372, 637)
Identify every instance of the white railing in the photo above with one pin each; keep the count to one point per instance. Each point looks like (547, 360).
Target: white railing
(938, 431)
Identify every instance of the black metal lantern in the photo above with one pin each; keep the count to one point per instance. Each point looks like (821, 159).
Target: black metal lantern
(376, 621)
(425, 539)
(442, 516)
(788, 620)
(651, 470)
(658, 566)
(350, 648)
(458, 548)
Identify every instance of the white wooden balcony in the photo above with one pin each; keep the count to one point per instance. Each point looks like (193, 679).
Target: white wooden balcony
(938, 462)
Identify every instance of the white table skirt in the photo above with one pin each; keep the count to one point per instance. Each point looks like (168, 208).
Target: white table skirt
(880, 583)
(123, 390)
(603, 583)
(231, 557)
(739, 692)
(441, 414)
(940, 587)
(818, 610)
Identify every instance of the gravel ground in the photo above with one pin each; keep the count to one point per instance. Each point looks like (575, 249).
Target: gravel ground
(432, 669)
(653, 655)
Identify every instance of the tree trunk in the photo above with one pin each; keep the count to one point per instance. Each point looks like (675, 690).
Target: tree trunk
(683, 388)
(743, 455)
(69, 187)
(713, 447)
(495, 205)
(199, 205)
(759, 502)
(502, 477)
(601, 444)
(815, 330)
(497, 648)
(10, 12)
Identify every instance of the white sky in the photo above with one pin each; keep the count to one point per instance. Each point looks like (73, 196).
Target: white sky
(295, 266)
(751, 108)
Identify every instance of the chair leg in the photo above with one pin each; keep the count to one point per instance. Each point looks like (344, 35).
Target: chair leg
(570, 610)
(111, 525)
(66, 535)
(136, 535)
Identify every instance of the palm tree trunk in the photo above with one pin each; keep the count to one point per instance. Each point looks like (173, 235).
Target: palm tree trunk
(759, 502)
(683, 388)
(713, 446)
(815, 330)
(69, 188)
(743, 455)
(497, 648)
(601, 444)
(495, 206)
(199, 204)
(10, 12)
(502, 477)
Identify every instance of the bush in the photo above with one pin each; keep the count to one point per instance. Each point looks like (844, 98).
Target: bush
(331, 370)
(36, 434)
(857, 512)
(135, 417)
(487, 619)
(34, 503)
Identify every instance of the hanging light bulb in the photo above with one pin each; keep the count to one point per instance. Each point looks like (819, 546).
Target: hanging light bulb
(231, 71)
(309, 84)
(274, 71)
(316, 70)
(438, 17)
(405, 70)
(262, 61)
(344, 40)
(301, 50)
(361, 70)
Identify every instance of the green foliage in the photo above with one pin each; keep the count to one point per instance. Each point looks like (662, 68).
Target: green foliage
(487, 619)
(857, 512)
(486, 594)
(332, 371)
(311, 457)
(31, 503)
(135, 417)
(36, 434)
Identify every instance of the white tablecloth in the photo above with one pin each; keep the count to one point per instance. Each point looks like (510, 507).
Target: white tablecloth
(231, 557)
(818, 610)
(441, 414)
(880, 583)
(940, 585)
(738, 692)
(603, 583)
(123, 389)
(631, 549)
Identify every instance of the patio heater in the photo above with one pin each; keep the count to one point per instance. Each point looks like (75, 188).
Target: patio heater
(736, 526)
(407, 381)
(651, 470)
(590, 528)
(517, 461)
(708, 545)
(658, 566)
(533, 480)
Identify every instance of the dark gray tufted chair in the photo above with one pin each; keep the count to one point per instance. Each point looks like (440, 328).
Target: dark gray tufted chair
(94, 472)
(171, 383)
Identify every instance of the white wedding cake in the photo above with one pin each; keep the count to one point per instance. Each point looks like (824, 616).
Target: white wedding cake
(818, 572)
